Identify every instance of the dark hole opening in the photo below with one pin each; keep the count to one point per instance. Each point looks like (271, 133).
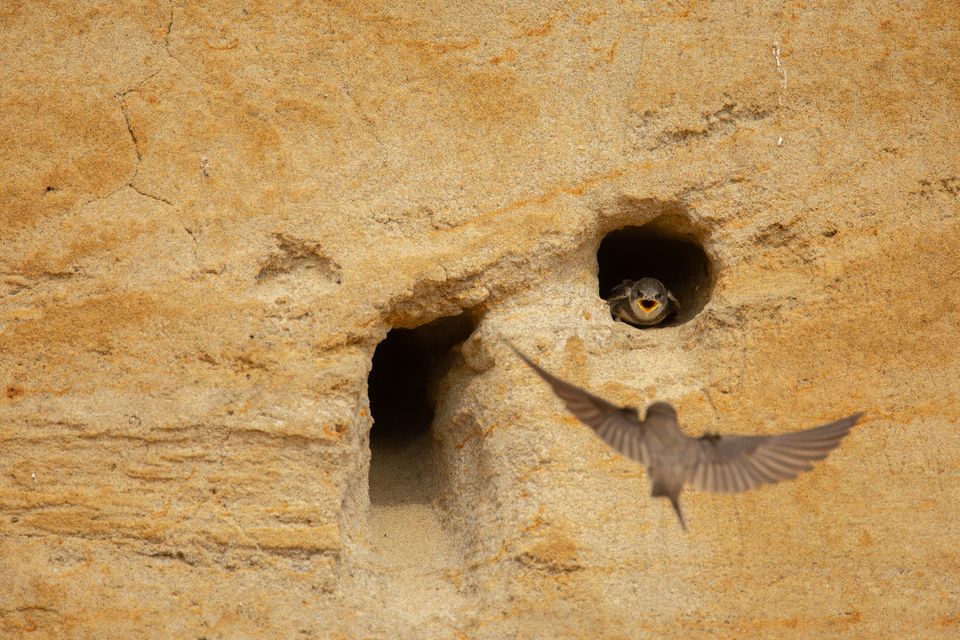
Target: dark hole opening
(405, 365)
(653, 250)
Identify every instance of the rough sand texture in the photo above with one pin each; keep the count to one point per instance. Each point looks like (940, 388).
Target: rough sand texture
(212, 213)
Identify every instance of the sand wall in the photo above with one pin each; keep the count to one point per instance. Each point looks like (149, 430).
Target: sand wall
(213, 213)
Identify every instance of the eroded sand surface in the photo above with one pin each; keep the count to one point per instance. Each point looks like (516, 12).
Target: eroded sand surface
(213, 213)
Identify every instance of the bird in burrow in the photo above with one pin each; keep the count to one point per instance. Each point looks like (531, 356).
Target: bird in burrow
(643, 303)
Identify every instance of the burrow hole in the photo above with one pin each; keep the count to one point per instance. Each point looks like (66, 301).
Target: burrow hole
(404, 482)
(665, 248)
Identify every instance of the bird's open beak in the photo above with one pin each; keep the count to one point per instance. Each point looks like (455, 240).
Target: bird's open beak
(648, 306)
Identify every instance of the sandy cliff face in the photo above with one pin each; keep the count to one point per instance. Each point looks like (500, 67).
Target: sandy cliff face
(212, 216)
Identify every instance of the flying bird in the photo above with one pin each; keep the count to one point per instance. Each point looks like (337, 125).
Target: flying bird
(719, 463)
(642, 303)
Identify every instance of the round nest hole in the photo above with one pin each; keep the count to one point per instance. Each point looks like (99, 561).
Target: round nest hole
(675, 258)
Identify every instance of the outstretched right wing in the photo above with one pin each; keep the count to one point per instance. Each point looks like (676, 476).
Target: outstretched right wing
(731, 464)
(619, 427)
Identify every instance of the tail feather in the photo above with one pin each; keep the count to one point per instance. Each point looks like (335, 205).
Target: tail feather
(666, 490)
(675, 501)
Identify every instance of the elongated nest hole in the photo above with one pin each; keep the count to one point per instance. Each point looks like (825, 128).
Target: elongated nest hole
(402, 464)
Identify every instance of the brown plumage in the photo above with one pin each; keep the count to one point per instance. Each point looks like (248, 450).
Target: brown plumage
(643, 303)
(728, 464)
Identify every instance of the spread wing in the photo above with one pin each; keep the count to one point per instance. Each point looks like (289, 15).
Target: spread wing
(619, 295)
(731, 464)
(619, 427)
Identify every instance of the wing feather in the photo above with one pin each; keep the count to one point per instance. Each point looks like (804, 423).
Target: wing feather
(763, 475)
(754, 477)
(711, 480)
(730, 478)
(619, 427)
(738, 463)
(739, 477)
(698, 473)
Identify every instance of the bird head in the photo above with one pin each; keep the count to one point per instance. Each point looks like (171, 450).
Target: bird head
(649, 298)
(662, 409)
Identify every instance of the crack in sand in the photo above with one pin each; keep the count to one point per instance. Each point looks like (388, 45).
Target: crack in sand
(168, 29)
(136, 147)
